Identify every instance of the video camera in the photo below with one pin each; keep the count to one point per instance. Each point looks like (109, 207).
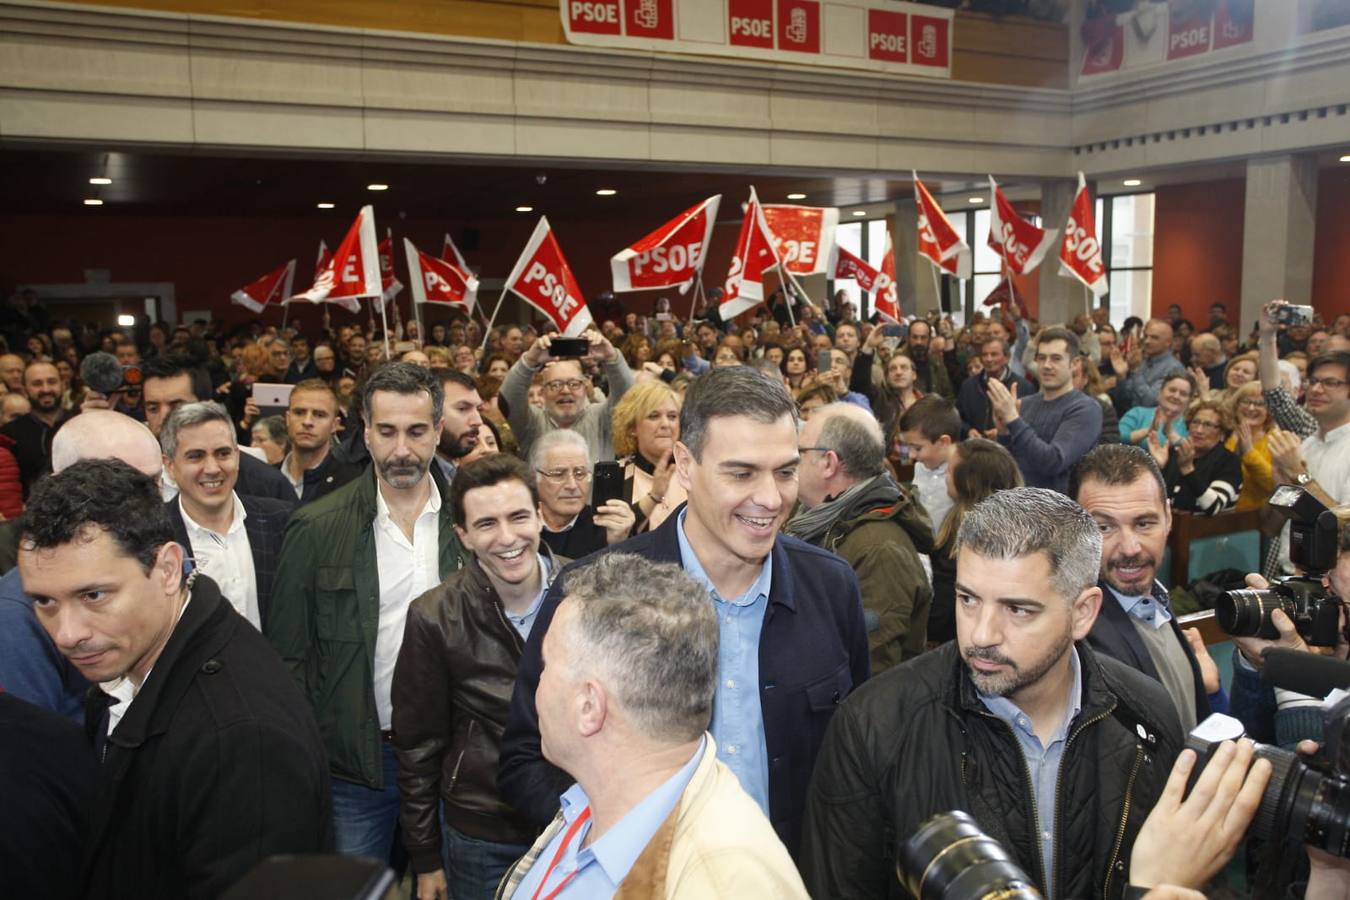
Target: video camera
(1313, 530)
(1308, 798)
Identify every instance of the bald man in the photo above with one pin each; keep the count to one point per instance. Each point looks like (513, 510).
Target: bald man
(31, 668)
(1207, 354)
(853, 508)
(1141, 376)
(11, 372)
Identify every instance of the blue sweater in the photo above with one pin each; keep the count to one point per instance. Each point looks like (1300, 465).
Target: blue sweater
(1050, 436)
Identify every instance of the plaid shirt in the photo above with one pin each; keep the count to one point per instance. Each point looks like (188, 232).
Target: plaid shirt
(1288, 414)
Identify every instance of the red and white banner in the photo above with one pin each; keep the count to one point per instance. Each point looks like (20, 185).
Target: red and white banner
(353, 271)
(880, 283)
(803, 236)
(323, 258)
(439, 280)
(886, 300)
(450, 253)
(846, 265)
(543, 279)
(754, 256)
(671, 256)
(390, 286)
(1021, 244)
(1159, 33)
(937, 238)
(270, 290)
(1080, 254)
(881, 36)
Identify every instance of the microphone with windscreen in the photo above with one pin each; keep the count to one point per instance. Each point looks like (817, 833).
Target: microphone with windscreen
(1305, 673)
(103, 373)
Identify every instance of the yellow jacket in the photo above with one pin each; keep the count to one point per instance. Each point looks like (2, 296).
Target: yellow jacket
(716, 843)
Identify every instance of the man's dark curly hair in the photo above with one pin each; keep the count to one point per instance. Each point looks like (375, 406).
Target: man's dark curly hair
(105, 493)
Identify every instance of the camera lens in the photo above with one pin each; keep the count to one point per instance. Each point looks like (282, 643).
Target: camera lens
(950, 858)
(1303, 805)
(1246, 613)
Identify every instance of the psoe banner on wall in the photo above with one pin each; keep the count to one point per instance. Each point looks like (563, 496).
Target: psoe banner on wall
(1155, 33)
(909, 38)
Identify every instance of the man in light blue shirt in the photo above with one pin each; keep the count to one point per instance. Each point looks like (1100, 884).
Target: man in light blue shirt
(630, 669)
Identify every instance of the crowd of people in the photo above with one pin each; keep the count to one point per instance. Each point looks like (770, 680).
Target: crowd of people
(710, 609)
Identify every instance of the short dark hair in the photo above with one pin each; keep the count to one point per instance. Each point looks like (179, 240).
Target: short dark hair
(486, 472)
(1116, 465)
(171, 365)
(1058, 333)
(932, 416)
(731, 391)
(446, 376)
(1330, 358)
(403, 378)
(103, 493)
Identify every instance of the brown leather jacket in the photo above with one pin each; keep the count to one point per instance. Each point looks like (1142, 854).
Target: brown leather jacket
(451, 694)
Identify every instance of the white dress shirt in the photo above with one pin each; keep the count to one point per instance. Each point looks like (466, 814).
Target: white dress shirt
(227, 560)
(406, 571)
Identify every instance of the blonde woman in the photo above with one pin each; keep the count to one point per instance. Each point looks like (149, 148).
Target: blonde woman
(646, 426)
(1253, 425)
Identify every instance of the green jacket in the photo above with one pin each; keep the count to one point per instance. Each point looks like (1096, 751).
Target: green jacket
(325, 614)
(882, 546)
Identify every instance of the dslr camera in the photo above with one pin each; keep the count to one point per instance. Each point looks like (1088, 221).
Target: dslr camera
(950, 858)
(1308, 798)
(1313, 530)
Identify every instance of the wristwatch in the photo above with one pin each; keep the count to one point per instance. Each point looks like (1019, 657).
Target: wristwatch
(1303, 478)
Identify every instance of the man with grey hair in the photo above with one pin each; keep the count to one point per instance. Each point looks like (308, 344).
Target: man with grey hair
(351, 565)
(1056, 751)
(574, 527)
(793, 639)
(233, 539)
(31, 668)
(852, 507)
(625, 701)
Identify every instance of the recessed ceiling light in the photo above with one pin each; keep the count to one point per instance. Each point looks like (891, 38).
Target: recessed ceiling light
(100, 181)
(377, 187)
(524, 209)
(1132, 182)
(975, 200)
(93, 202)
(796, 196)
(1345, 158)
(126, 321)
(325, 205)
(606, 192)
(860, 212)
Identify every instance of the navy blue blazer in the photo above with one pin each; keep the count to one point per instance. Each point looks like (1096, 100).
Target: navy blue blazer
(265, 526)
(812, 653)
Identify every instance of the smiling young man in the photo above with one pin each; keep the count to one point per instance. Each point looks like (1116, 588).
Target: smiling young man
(32, 433)
(453, 682)
(211, 760)
(793, 638)
(1057, 752)
(232, 539)
(350, 566)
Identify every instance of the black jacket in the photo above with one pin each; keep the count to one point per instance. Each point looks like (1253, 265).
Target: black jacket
(916, 741)
(812, 652)
(1114, 635)
(33, 446)
(325, 478)
(265, 525)
(258, 479)
(972, 401)
(216, 765)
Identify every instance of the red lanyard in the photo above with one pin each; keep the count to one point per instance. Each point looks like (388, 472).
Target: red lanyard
(557, 857)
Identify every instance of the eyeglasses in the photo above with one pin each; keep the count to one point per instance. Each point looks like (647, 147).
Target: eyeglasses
(1205, 423)
(1252, 403)
(1330, 384)
(559, 476)
(572, 384)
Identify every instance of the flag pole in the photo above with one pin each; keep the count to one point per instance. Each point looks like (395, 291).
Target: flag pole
(487, 329)
(285, 311)
(937, 286)
(697, 292)
(384, 323)
(417, 316)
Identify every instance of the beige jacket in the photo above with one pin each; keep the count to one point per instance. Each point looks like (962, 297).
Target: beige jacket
(716, 843)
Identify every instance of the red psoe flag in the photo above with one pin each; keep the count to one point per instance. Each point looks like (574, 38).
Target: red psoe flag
(439, 280)
(1021, 244)
(543, 279)
(390, 286)
(354, 270)
(847, 265)
(938, 240)
(1080, 255)
(671, 256)
(887, 297)
(754, 255)
(450, 252)
(270, 290)
(802, 235)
